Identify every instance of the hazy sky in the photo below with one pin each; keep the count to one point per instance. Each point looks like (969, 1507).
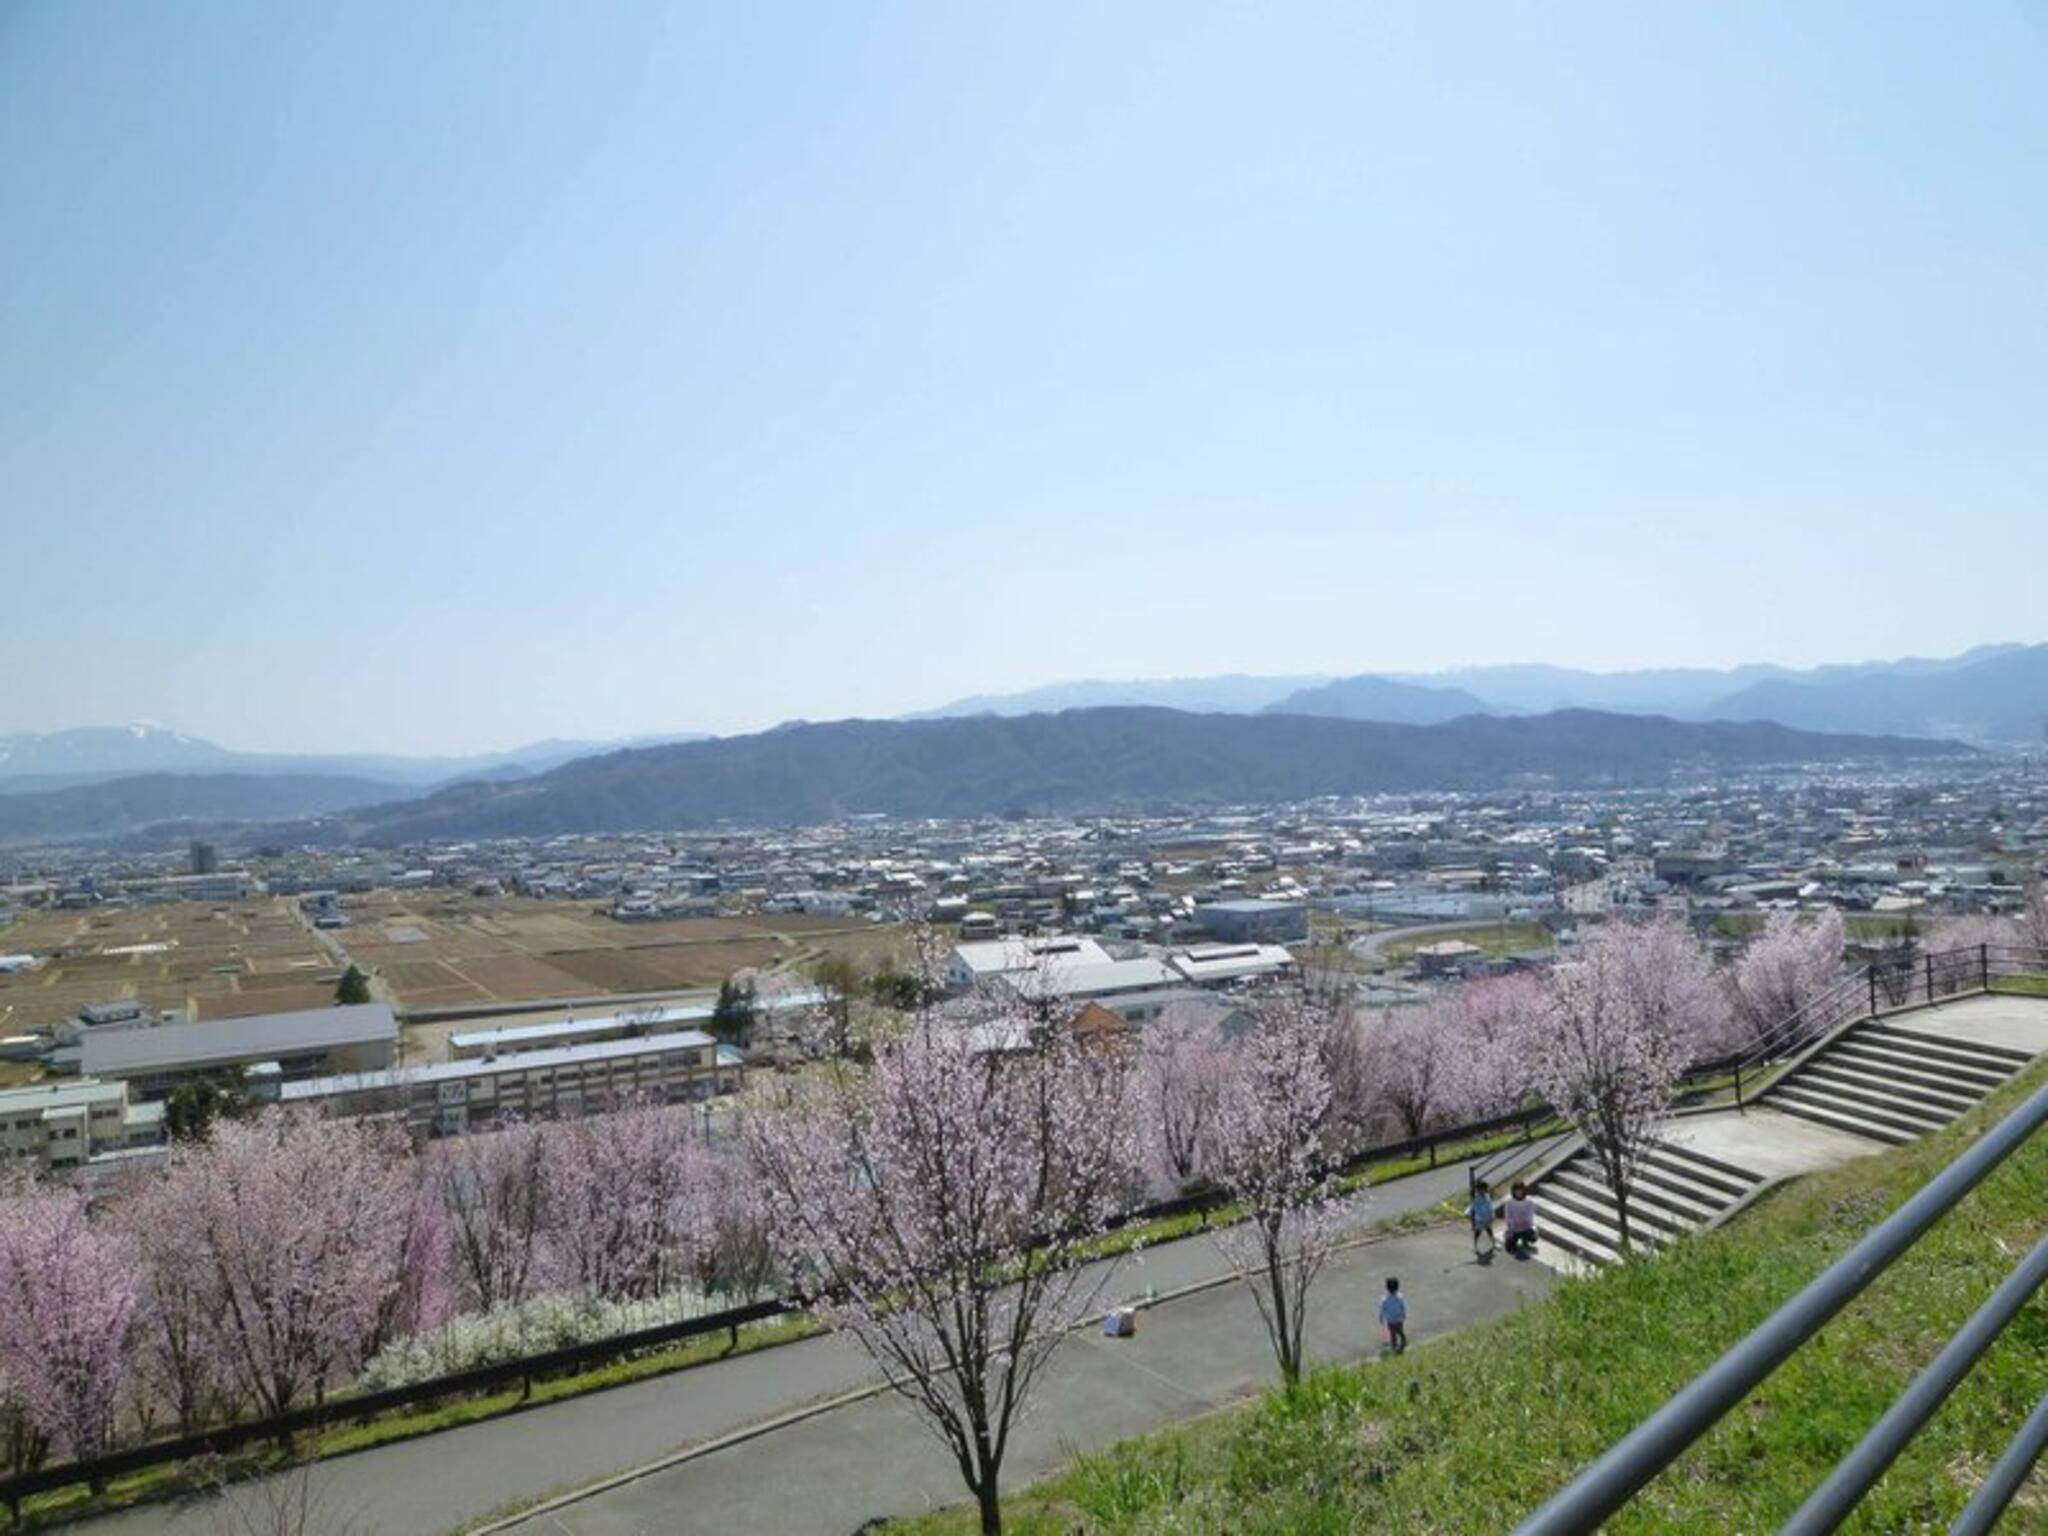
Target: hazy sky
(439, 376)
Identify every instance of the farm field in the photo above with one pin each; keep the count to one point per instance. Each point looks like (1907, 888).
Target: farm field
(218, 961)
(438, 950)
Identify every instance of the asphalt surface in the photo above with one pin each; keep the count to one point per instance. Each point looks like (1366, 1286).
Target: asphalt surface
(830, 1472)
(827, 1475)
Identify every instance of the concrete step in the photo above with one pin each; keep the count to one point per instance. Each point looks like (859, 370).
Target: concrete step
(1692, 1173)
(1952, 1101)
(1883, 1053)
(1874, 1063)
(2013, 1059)
(1591, 1236)
(1594, 1200)
(1741, 1179)
(1695, 1204)
(1914, 1121)
(1595, 1254)
(1871, 1096)
(1822, 1115)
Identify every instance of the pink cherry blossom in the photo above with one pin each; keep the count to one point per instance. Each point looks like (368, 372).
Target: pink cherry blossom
(1270, 1153)
(68, 1298)
(934, 1207)
(1785, 966)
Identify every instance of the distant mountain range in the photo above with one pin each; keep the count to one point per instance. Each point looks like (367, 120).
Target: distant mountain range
(32, 763)
(1086, 760)
(1992, 694)
(156, 799)
(1231, 694)
(1383, 699)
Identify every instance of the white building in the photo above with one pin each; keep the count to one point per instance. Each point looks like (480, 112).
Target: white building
(1213, 965)
(449, 1098)
(64, 1126)
(989, 960)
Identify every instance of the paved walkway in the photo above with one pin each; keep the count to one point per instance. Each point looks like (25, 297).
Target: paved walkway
(455, 1479)
(827, 1475)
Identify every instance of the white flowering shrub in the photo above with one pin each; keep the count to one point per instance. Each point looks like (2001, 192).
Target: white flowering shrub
(554, 1320)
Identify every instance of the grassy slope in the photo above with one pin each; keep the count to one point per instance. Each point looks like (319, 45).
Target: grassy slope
(1470, 1434)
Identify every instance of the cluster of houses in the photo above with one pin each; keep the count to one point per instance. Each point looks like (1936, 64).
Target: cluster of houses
(1113, 918)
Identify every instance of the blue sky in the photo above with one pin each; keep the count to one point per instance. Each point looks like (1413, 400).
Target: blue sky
(390, 376)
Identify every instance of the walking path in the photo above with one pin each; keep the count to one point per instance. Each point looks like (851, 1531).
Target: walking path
(826, 1475)
(455, 1479)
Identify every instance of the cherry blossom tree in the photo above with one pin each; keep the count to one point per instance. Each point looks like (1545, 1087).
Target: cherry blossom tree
(68, 1297)
(1354, 1065)
(1675, 986)
(1610, 1048)
(296, 1226)
(1492, 1023)
(173, 1341)
(736, 1250)
(1270, 1154)
(2027, 928)
(626, 1189)
(1786, 966)
(422, 1297)
(1416, 1049)
(2033, 915)
(935, 1206)
(495, 1188)
(1182, 1061)
(1973, 930)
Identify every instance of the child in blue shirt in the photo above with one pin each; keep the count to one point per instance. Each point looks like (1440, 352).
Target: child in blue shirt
(1481, 1212)
(1394, 1316)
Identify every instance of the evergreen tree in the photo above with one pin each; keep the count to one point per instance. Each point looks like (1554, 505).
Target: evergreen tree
(353, 988)
(732, 1016)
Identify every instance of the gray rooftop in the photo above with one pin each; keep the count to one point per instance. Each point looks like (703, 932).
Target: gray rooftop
(115, 1052)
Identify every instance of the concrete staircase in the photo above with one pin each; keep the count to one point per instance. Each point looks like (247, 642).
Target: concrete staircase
(1676, 1190)
(1891, 1083)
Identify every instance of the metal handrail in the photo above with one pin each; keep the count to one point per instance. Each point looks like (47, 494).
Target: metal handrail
(1620, 1473)
(1857, 1473)
(1872, 989)
(2005, 1479)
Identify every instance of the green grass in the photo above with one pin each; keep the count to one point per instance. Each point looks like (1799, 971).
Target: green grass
(1469, 1434)
(1494, 938)
(1861, 927)
(2026, 986)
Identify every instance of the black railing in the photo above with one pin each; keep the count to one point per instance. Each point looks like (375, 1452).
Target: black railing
(1882, 986)
(361, 1407)
(1603, 1488)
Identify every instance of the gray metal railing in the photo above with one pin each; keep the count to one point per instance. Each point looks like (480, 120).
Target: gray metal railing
(1601, 1490)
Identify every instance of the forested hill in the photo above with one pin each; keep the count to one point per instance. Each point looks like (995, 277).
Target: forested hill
(151, 799)
(1091, 760)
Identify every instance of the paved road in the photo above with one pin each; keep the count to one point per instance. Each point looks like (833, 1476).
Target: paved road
(827, 1475)
(453, 1480)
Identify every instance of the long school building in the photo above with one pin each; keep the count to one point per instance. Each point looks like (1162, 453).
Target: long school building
(449, 1098)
